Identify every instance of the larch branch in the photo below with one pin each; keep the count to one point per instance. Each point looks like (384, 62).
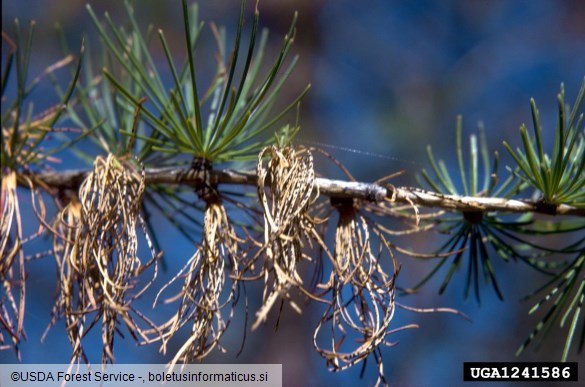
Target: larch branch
(332, 188)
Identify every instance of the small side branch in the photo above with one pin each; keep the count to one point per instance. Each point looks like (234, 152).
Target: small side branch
(333, 188)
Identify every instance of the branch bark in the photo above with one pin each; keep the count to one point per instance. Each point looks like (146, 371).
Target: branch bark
(332, 188)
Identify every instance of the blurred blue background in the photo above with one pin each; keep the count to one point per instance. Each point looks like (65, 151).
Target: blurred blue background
(388, 78)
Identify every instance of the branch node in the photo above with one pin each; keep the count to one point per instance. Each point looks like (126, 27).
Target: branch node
(545, 207)
(473, 217)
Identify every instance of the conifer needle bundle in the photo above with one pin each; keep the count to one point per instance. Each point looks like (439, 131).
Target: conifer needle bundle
(362, 304)
(99, 261)
(12, 269)
(203, 296)
(285, 189)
